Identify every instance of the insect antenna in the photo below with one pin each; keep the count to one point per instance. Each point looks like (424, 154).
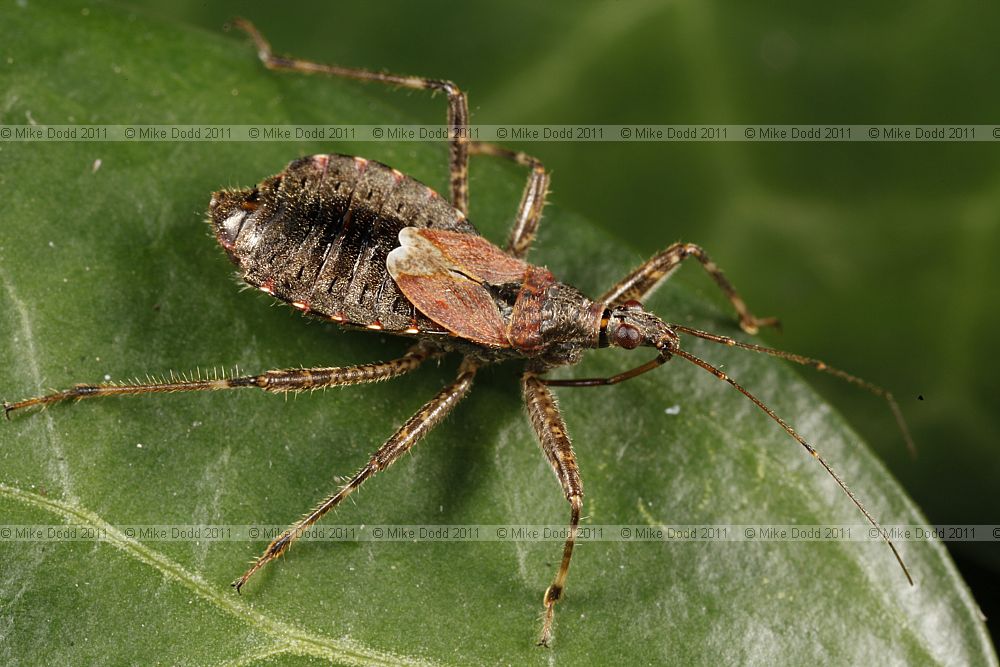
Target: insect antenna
(809, 448)
(818, 365)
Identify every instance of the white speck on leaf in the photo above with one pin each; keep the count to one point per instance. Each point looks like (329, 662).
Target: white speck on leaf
(673, 410)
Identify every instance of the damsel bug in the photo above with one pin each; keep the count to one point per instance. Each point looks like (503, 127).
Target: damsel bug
(363, 245)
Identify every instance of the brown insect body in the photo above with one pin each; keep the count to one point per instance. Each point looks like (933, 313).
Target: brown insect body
(359, 243)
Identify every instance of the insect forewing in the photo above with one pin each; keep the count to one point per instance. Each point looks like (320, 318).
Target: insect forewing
(444, 274)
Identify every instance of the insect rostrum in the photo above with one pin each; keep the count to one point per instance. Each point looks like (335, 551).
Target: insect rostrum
(361, 244)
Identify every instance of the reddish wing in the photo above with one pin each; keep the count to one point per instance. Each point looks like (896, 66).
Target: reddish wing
(442, 274)
(475, 256)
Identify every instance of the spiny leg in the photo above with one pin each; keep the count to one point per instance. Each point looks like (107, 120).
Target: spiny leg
(675, 351)
(551, 429)
(641, 282)
(613, 379)
(401, 441)
(529, 212)
(458, 106)
(294, 379)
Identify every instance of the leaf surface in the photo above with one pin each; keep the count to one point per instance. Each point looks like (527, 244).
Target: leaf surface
(107, 270)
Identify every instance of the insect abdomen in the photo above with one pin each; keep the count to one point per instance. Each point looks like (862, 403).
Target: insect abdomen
(317, 235)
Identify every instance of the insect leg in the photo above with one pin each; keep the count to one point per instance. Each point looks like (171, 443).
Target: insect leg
(551, 429)
(614, 379)
(458, 106)
(401, 441)
(529, 212)
(641, 282)
(294, 379)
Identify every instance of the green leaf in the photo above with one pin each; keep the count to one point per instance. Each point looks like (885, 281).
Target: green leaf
(106, 269)
(875, 256)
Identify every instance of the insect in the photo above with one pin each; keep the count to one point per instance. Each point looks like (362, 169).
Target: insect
(361, 244)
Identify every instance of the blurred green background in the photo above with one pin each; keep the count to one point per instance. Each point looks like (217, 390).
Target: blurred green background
(879, 258)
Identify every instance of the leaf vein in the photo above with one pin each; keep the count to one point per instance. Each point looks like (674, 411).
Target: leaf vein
(295, 639)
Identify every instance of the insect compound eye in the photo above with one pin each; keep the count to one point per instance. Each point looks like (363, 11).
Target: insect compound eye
(632, 304)
(627, 336)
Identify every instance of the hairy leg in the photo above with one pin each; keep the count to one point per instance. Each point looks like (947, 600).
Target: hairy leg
(529, 212)
(458, 105)
(294, 379)
(419, 425)
(551, 430)
(641, 282)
